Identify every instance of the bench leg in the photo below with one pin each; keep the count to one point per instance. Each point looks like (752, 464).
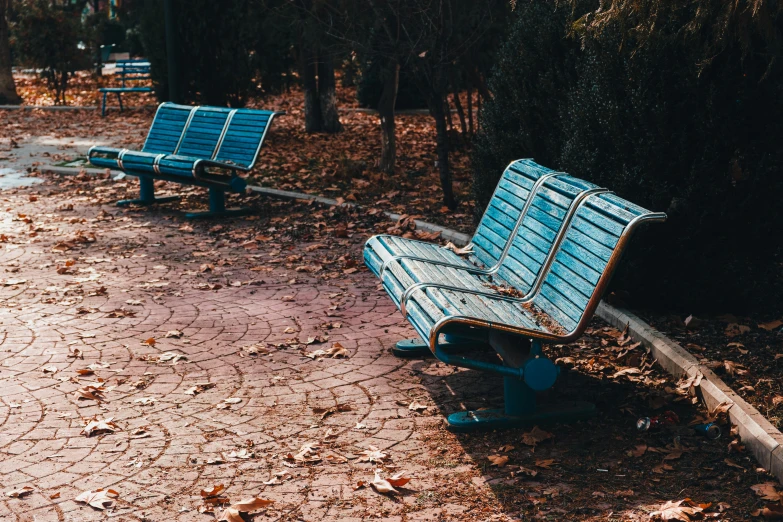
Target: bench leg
(217, 207)
(103, 105)
(146, 194)
(119, 100)
(411, 348)
(519, 393)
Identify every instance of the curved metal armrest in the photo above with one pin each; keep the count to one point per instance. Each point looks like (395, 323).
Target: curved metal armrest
(95, 149)
(202, 163)
(471, 269)
(423, 286)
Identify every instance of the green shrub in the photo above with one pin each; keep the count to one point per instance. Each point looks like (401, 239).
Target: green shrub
(675, 107)
(48, 37)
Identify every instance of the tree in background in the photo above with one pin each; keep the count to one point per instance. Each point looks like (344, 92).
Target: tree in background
(47, 36)
(435, 39)
(233, 49)
(7, 86)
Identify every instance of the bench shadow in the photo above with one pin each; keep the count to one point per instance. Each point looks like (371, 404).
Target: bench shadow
(591, 473)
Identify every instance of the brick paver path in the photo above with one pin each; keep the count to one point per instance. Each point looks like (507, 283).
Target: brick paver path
(145, 275)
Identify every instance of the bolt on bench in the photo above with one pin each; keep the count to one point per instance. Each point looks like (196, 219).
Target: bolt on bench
(203, 146)
(544, 253)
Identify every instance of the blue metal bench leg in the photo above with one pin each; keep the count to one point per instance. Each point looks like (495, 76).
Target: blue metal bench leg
(412, 348)
(146, 194)
(119, 100)
(103, 105)
(217, 207)
(520, 409)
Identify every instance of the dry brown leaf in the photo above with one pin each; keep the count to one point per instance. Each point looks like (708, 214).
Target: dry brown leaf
(415, 406)
(372, 454)
(771, 512)
(399, 479)
(676, 511)
(464, 251)
(149, 342)
(98, 426)
(772, 325)
(768, 491)
(381, 485)
(19, 493)
(498, 460)
(535, 436)
(99, 499)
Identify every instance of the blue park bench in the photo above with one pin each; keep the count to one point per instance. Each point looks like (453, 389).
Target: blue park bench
(129, 71)
(543, 255)
(203, 146)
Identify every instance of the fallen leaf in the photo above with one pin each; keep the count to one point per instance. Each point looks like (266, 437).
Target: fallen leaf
(498, 460)
(99, 426)
(149, 342)
(175, 334)
(381, 485)
(535, 436)
(464, 251)
(772, 325)
(768, 491)
(415, 406)
(99, 499)
(372, 454)
(676, 511)
(19, 493)
(399, 479)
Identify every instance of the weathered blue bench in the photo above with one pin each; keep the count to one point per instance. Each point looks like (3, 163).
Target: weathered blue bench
(204, 146)
(543, 288)
(129, 71)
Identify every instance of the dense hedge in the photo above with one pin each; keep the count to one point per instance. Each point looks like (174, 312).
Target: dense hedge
(675, 106)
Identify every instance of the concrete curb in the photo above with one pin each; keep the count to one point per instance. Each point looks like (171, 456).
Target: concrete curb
(756, 432)
(446, 233)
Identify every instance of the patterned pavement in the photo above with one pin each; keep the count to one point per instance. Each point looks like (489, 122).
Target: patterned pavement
(104, 283)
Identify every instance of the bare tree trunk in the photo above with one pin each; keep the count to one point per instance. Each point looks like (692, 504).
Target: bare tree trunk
(461, 113)
(391, 82)
(447, 111)
(7, 86)
(312, 104)
(470, 112)
(437, 107)
(330, 119)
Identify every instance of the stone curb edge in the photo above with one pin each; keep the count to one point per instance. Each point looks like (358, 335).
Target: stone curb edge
(756, 432)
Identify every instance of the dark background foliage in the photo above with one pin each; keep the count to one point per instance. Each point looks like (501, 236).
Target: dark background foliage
(675, 106)
(232, 49)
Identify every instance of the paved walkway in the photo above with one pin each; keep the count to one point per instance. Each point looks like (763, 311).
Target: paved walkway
(143, 278)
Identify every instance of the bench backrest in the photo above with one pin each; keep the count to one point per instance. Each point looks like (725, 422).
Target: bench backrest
(166, 129)
(203, 132)
(212, 133)
(243, 137)
(133, 70)
(545, 217)
(586, 258)
(504, 210)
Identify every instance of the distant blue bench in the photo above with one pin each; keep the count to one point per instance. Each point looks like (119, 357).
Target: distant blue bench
(129, 71)
(544, 253)
(204, 146)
